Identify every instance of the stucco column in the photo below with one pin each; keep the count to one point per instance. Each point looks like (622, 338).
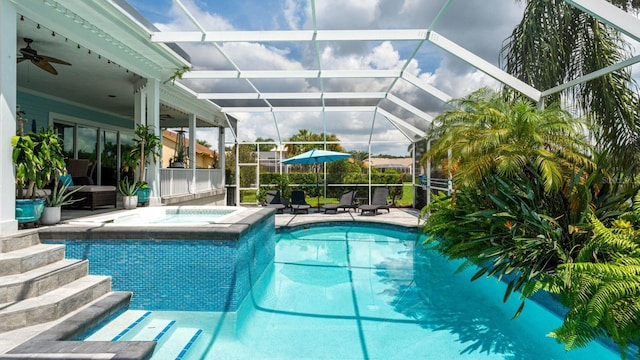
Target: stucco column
(8, 46)
(139, 102)
(153, 119)
(192, 151)
(221, 155)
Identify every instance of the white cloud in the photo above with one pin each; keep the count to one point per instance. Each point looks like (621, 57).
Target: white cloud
(478, 25)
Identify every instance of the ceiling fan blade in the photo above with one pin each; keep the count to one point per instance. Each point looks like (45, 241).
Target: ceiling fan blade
(21, 59)
(54, 60)
(44, 66)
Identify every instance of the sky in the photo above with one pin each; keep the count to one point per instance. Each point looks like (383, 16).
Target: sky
(480, 26)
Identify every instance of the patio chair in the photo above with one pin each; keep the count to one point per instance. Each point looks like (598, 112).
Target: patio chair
(347, 202)
(379, 201)
(299, 202)
(90, 195)
(275, 201)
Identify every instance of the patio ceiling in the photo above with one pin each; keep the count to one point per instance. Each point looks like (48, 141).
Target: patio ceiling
(251, 88)
(88, 35)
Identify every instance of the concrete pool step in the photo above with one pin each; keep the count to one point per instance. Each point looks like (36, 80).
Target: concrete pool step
(53, 304)
(174, 340)
(57, 341)
(154, 329)
(182, 342)
(115, 329)
(18, 241)
(29, 258)
(16, 287)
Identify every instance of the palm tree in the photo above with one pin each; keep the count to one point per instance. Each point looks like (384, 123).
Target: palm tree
(203, 142)
(556, 42)
(303, 135)
(486, 133)
(359, 156)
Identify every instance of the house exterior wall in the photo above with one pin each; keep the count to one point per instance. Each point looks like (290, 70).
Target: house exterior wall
(203, 160)
(38, 108)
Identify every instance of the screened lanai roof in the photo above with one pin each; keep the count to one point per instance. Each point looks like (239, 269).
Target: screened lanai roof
(365, 71)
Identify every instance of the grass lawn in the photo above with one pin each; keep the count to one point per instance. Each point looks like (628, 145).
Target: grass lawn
(249, 197)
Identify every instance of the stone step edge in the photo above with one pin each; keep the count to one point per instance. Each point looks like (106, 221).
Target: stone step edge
(56, 340)
(26, 259)
(21, 240)
(54, 304)
(41, 280)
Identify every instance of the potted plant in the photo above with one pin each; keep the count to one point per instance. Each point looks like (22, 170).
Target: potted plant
(129, 193)
(146, 150)
(60, 196)
(37, 157)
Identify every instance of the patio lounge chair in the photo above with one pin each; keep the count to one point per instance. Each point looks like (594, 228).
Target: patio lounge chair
(347, 202)
(299, 202)
(275, 201)
(379, 201)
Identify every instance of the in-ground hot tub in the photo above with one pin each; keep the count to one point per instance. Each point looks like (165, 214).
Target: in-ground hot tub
(168, 216)
(220, 252)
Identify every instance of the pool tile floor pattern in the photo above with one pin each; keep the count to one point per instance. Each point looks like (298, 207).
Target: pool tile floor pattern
(397, 216)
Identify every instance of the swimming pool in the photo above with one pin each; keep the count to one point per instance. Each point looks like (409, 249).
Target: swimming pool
(356, 292)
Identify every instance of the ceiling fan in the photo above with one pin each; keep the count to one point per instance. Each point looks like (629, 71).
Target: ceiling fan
(41, 61)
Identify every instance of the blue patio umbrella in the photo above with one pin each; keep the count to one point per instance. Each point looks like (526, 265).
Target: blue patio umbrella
(315, 157)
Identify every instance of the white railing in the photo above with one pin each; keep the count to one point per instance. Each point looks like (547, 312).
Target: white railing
(180, 181)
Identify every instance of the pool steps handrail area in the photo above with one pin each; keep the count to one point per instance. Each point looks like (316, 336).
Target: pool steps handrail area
(39, 288)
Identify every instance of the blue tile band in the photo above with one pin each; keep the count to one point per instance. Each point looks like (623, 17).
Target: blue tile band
(164, 331)
(131, 326)
(189, 344)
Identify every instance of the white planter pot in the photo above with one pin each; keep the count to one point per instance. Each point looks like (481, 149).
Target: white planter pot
(50, 215)
(130, 202)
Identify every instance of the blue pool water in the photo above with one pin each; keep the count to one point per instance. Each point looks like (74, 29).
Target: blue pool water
(356, 292)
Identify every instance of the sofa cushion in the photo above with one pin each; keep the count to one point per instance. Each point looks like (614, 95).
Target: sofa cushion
(93, 188)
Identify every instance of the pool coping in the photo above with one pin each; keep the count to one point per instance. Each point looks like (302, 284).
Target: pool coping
(241, 224)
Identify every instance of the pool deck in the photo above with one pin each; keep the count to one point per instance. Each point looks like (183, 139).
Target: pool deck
(397, 216)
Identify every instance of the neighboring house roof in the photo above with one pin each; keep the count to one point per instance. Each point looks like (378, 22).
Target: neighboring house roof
(380, 162)
(173, 137)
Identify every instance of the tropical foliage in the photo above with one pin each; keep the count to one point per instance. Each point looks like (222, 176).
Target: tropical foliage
(305, 140)
(556, 42)
(602, 287)
(484, 133)
(526, 194)
(128, 188)
(38, 159)
(147, 147)
(62, 196)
